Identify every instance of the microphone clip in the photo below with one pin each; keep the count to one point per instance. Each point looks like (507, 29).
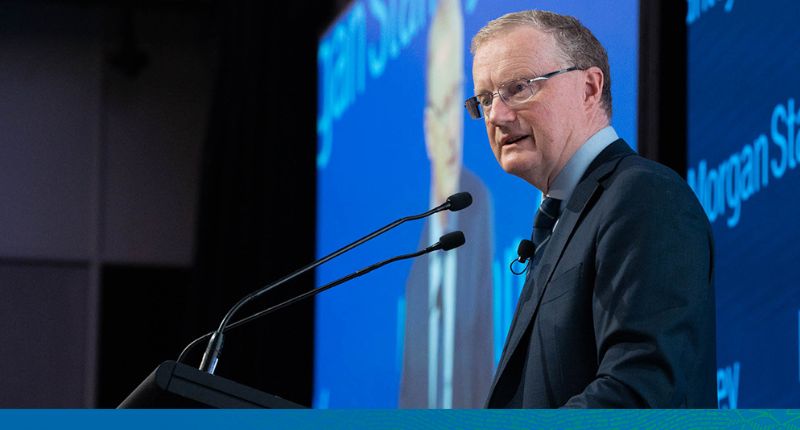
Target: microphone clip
(524, 268)
(525, 251)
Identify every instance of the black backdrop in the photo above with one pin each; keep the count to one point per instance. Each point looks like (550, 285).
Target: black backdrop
(256, 216)
(257, 207)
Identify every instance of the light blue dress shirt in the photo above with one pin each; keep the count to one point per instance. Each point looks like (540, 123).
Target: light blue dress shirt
(566, 181)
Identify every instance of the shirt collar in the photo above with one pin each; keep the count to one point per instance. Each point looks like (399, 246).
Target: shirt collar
(568, 178)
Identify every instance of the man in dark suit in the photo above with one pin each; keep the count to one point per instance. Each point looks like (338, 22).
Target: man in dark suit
(618, 306)
(447, 348)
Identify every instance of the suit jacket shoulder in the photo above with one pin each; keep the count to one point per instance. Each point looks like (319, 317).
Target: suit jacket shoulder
(619, 312)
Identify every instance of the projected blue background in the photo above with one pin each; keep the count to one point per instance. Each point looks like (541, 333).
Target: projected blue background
(373, 168)
(744, 96)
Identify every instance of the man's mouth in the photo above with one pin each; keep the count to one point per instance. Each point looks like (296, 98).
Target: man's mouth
(512, 140)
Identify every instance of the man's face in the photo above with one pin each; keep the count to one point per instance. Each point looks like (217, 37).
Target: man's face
(533, 140)
(444, 121)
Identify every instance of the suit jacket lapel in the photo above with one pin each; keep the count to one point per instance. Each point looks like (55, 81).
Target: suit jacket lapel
(602, 166)
(605, 163)
(513, 333)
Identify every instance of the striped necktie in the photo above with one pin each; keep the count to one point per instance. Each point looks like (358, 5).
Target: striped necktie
(543, 224)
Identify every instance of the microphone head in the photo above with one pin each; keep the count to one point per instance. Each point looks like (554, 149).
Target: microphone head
(459, 201)
(525, 250)
(451, 240)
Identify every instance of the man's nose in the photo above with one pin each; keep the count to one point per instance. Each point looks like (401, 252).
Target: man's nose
(500, 114)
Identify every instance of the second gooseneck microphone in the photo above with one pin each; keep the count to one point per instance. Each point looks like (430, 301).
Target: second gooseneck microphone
(455, 202)
(447, 242)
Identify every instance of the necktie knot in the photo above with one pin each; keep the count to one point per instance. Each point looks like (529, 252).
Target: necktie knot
(545, 219)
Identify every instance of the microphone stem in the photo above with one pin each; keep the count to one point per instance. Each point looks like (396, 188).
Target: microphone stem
(213, 352)
(325, 259)
(328, 286)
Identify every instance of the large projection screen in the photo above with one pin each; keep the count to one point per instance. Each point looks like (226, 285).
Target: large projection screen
(743, 154)
(393, 139)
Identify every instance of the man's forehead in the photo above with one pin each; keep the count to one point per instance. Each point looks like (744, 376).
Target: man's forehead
(522, 51)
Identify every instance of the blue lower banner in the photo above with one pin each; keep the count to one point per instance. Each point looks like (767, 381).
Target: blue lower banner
(401, 419)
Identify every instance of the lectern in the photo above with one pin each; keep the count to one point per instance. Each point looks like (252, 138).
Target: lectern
(176, 385)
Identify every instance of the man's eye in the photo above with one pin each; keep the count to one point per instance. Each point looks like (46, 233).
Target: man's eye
(516, 87)
(485, 100)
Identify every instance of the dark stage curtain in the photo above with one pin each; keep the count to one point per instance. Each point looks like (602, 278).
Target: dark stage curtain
(662, 82)
(257, 204)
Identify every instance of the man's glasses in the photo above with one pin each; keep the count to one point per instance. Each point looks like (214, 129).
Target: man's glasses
(512, 93)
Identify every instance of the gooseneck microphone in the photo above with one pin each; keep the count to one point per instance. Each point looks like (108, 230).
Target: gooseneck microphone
(525, 251)
(447, 242)
(456, 202)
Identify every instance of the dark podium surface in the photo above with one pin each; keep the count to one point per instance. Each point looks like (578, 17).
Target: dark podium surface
(176, 385)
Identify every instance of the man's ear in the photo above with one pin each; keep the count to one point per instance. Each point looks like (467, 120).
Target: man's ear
(593, 86)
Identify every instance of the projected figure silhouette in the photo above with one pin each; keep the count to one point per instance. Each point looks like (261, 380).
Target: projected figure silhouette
(447, 356)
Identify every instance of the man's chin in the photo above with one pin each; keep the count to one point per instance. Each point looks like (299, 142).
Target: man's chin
(516, 165)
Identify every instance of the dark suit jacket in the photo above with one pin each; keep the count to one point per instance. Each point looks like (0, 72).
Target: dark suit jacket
(472, 367)
(620, 310)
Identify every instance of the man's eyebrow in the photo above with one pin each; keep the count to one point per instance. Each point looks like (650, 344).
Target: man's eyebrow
(521, 76)
(515, 77)
(477, 89)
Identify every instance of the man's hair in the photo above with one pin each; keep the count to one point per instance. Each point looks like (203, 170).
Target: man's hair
(577, 44)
